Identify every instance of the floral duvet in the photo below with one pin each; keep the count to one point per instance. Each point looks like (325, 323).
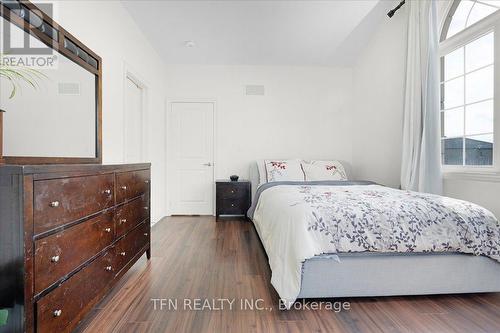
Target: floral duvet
(297, 221)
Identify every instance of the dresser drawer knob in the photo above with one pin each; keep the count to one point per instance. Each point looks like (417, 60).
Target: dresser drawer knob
(122, 254)
(146, 207)
(123, 221)
(108, 191)
(54, 204)
(123, 187)
(146, 181)
(108, 268)
(54, 259)
(145, 234)
(107, 229)
(57, 313)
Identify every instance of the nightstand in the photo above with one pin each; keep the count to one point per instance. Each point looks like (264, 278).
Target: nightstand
(232, 198)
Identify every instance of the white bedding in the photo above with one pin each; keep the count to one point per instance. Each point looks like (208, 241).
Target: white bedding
(298, 222)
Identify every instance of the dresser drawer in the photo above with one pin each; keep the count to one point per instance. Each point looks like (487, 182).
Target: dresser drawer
(131, 214)
(59, 201)
(63, 308)
(131, 184)
(127, 247)
(59, 254)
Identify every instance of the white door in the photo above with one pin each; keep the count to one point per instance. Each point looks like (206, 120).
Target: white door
(133, 140)
(193, 158)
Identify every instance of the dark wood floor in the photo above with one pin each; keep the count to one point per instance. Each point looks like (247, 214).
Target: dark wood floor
(194, 257)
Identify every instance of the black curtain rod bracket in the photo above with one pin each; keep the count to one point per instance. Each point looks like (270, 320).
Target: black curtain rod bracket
(393, 11)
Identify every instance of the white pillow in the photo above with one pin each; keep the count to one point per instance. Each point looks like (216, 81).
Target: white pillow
(324, 170)
(262, 172)
(283, 170)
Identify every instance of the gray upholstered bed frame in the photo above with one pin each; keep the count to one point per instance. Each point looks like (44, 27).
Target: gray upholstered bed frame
(381, 274)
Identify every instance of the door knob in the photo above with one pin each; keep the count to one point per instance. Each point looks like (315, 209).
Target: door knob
(207, 164)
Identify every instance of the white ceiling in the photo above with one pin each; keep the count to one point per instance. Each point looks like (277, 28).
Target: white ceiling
(251, 32)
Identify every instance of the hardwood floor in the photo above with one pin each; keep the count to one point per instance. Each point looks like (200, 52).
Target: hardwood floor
(196, 258)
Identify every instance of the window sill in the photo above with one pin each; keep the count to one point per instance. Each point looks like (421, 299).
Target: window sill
(473, 176)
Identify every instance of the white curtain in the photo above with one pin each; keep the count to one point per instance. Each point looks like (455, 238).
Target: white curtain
(421, 165)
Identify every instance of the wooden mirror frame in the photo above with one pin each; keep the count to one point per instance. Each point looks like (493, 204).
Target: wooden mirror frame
(59, 46)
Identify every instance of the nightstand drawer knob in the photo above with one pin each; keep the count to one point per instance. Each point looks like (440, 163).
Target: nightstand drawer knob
(232, 205)
(232, 191)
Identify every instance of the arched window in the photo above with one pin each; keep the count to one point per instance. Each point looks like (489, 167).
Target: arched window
(465, 13)
(470, 36)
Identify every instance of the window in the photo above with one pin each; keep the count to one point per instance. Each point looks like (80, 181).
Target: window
(467, 12)
(468, 82)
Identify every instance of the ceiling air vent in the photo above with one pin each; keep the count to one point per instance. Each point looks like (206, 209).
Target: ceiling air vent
(254, 90)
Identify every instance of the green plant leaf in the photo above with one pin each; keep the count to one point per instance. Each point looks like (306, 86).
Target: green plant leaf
(18, 74)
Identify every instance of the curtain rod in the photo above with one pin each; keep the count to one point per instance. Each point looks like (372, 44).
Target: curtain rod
(392, 11)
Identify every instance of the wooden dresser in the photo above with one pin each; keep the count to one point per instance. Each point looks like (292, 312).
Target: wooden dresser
(67, 234)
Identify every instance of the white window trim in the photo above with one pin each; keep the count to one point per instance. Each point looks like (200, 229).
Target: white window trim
(479, 29)
(473, 176)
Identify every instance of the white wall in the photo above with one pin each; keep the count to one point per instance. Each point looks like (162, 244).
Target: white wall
(378, 103)
(106, 28)
(481, 192)
(378, 100)
(305, 112)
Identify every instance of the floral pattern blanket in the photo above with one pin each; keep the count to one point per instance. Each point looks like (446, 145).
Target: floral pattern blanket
(297, 222)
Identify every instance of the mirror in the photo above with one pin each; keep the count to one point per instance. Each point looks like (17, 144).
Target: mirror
(50, 100)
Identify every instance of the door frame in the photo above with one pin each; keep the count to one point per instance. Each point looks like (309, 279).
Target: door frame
(130, 74)
(169, 147)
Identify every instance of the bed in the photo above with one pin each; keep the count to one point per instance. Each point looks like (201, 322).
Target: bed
(303, 269)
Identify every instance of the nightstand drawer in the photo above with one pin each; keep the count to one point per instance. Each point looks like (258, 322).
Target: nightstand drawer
(230, 191)
(232, 206)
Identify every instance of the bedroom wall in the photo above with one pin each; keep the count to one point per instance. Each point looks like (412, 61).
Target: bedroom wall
(378, 80)
(108, 29)
(305, 112)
